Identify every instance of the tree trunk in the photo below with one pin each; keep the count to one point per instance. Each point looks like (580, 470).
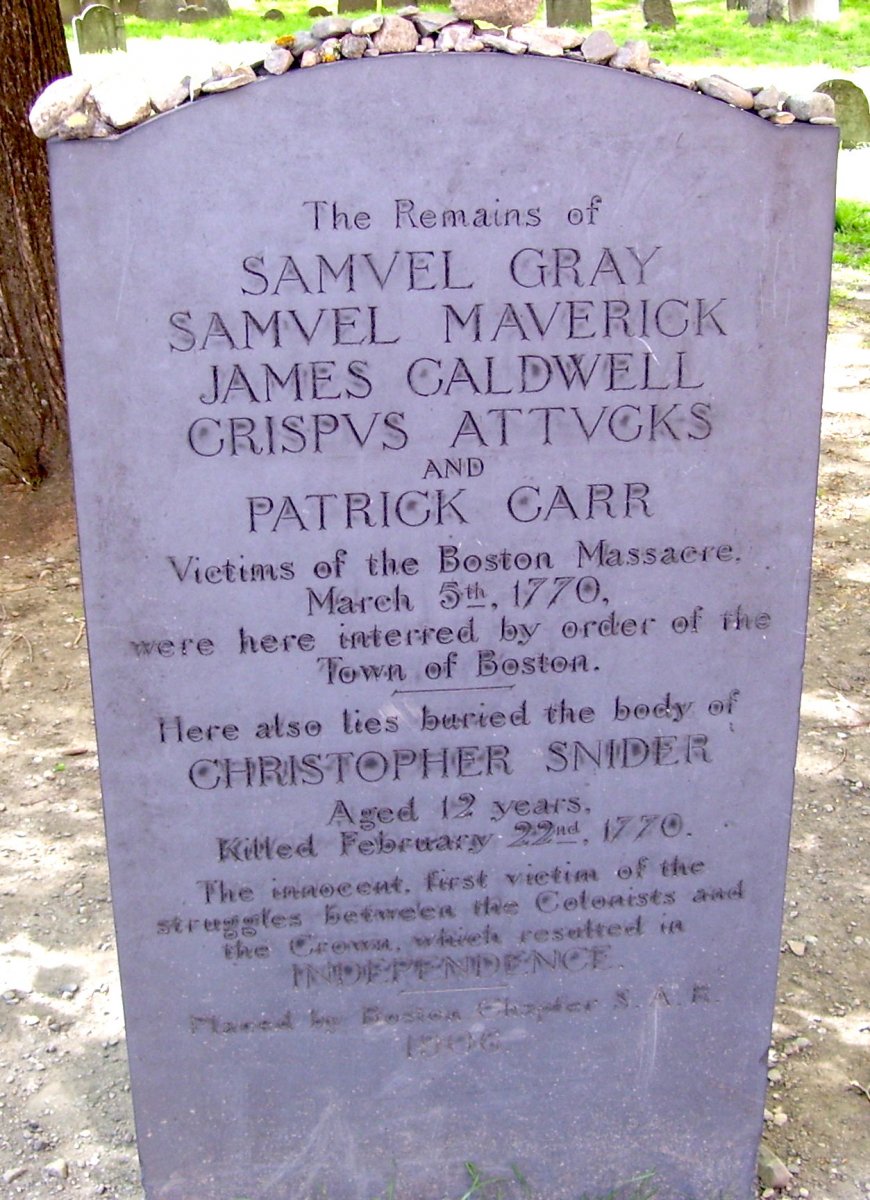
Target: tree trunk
(32, 408)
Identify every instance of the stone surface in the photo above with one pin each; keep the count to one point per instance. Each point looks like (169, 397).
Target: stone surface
(330, 27)
(599, 46)
(396, 36)
(851, 110)
(427, 23)
(569, 12)
(772, 1172)
(238, 77)
(164, 99)
(56, 104)
(497, 12)
(278, 60)
(159, 10)
(813, 104)
(122, 100)
(537, 40)
(500, 41)
(669, 75)
(380, 452)
(353, 46)
(659, 14)
(452, 35)
(724, 89)
(769, 97)
(363, 26)
(632, 56)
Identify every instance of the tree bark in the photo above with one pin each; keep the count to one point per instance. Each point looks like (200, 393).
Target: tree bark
(32, 405)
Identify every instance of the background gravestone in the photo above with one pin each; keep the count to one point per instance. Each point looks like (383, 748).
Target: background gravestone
(569, 12)
(853, 111)
(446, 528)
(99, 29)
(659, 14)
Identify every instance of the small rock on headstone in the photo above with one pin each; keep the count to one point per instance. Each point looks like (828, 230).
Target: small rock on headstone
(57, 103)
(366, 26)
(659, 14)
(330, 27)
(852, 111)
(814, 104)
(599, 46)
(660, 71)
(497, 12)
(395, 36)
(500, 41)
(278, 60)
(227, 83)
(769, 97)
(352, 46)
(724, 89)
(536, 41)
(123, 100)
(569, 12)
(451, 35)
(632, 56)
(427, 23)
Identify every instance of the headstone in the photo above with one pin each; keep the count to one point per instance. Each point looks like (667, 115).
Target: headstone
(659, 14)
(99, 29)
(129, 8)
(853, 111)
(569, 12)
(446, 547)
(159, 10)
(813, 10)
(69, 9)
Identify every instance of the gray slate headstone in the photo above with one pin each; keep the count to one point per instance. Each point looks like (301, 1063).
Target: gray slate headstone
(659, 14)
(159, 10)
(853, 111)
(569, 12)
(445, 510)
(99, 29)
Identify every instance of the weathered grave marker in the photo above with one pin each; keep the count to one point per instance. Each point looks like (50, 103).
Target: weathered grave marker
(569, 12)
(853, 111)
(446, 509)
(99, 29)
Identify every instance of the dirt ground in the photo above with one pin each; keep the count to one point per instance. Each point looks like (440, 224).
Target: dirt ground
(65, 1117)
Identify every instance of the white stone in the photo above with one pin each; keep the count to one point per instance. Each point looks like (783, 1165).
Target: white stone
(536, 41)
(170, 96)
(227, 83)
(278, 60)
(497, 12)
(56, 104)
(599, 46)
(500, 41)
(396, 36)
(123, 100)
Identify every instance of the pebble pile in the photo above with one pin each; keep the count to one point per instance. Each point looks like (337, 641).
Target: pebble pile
(74, 108)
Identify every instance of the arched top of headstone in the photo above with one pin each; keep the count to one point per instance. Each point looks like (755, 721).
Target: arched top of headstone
(67, 109)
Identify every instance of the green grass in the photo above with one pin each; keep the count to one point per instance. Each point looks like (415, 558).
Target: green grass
(706, 32)
(852, 235)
